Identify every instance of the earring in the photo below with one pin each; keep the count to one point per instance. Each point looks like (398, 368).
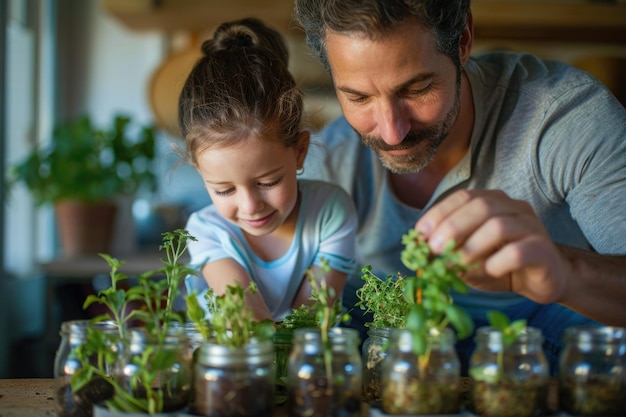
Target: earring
(300, 171)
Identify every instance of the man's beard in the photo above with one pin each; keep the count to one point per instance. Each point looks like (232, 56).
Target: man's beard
(427, 141)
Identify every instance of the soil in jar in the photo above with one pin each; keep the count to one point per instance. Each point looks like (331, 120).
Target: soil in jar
(372, 390)
(234, 397)
(510, 398)
(597, 396)
(316, 398)
(81, 402)
(416, 396)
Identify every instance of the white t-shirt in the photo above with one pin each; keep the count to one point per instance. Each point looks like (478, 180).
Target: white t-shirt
(326, 229)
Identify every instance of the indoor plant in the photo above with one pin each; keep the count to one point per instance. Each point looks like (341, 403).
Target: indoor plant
(324, 375)
(430, 381)
(383, 300)
(234, 366)
(147, 361)
(509, 370)
(87, 167)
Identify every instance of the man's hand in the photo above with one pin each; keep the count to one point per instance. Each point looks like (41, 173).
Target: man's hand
(507, 241)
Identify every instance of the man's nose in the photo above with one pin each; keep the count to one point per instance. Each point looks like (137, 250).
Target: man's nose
(393, 122)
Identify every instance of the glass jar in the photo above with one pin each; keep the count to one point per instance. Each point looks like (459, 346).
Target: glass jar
(67, 363)
(283, 343)
(234, 381)
(373, 352)
(155, 366)
(324, 381)
(509, 379)
(421, 384)
(592, 371)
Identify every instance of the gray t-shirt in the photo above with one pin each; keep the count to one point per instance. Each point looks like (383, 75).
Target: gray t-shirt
(543, 132)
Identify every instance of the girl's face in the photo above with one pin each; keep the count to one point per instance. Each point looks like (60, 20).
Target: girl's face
(253, 183)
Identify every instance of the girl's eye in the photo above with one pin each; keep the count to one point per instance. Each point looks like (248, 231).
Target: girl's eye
(223, 193)
(270, 184)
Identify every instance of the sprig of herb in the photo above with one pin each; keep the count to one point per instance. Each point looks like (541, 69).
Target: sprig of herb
(328, 313)
(428, 292)
(157, 297)
(232, 321)
(510, 332)
(383, 299)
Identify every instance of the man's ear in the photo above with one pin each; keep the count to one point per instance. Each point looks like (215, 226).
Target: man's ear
(467, 38)
(302, 148)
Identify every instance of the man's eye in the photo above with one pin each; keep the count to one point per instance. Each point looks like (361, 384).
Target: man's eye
(420, 90)
(357, 99)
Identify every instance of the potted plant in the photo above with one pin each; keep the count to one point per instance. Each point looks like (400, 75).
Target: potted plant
(324, 376)
(301, 318)
(146, 360)
(383, 300)
(509, 370)
(234, 366)
(82, 171)
(429, 381)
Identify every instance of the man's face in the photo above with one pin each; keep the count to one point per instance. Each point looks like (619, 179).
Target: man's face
(398, 92)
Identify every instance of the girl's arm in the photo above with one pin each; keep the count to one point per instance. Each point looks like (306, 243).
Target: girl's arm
(223, 272)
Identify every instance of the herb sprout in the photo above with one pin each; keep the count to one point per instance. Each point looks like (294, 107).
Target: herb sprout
(157, 297)
(428, 292)
(383, 299)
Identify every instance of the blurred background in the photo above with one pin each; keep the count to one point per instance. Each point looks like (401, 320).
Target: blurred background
(64, 59)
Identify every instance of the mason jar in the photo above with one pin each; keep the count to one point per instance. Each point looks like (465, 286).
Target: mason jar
(374, 350)
(592, 371)
(67, 363)
(283, 343)
(509, 379)
(421, 384)
(234, 381)
(154, 365)
(324, 379)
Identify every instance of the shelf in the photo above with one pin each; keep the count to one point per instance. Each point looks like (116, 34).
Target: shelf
(549, 20)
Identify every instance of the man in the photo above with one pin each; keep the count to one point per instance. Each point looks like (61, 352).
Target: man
(521, 161)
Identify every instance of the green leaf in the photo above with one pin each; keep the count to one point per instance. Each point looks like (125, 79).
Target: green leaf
(461, 321)
(498, 320)
(416, 318)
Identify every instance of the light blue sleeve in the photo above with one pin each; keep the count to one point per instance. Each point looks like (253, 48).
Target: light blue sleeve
(338, 224)
(215, 241)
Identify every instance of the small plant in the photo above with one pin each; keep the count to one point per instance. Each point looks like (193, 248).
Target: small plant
(509, 370)
(232, 323)
(428, 292)
(324, 375)
(510, 332)
(328, 314)
(383, 299)
(157, 297)
(234, 363)
(429, 382)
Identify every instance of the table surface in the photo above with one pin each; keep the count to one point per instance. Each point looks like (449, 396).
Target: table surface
(35, 398)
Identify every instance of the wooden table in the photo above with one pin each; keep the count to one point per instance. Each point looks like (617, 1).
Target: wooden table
(35, 398)
(27, 397)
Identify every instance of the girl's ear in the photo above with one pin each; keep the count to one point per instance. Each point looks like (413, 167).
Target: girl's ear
(302, 148)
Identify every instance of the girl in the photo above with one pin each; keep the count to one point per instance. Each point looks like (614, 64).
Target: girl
(240, 113)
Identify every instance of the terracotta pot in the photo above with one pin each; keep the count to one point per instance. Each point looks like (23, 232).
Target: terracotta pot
(85, 229)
